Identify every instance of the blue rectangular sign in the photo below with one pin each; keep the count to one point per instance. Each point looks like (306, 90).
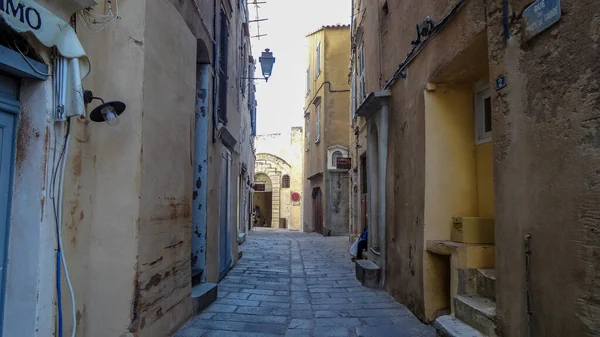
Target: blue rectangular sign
(541, 15)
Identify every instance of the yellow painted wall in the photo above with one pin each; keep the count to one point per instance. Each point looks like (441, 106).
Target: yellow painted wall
(450, 171)
(450, 185)
(484, 156)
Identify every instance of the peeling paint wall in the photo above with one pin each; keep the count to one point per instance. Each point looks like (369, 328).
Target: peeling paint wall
(201, 138)
(31, 257)
(164, 228)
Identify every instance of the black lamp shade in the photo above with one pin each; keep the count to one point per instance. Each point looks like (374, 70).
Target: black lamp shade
(96, 114)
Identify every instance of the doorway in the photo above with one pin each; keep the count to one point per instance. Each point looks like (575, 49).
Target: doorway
(224, 215)
(363, 192)
(263, 207)
(9, 107)
(263, 200)
(318, 210)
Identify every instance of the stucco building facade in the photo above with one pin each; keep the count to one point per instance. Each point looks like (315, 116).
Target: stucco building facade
(131, 206)
(278, 168)
(326, 131)
(469, 182)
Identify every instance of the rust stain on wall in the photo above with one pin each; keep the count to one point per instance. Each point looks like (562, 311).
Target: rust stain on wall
(77, 164)
(24, 136)
(45, 162)
(172, 209)
(154, 281)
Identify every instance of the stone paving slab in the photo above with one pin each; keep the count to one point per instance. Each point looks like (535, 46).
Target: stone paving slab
(292, 284)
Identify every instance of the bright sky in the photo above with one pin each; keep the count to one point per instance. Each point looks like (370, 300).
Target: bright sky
(281, 100)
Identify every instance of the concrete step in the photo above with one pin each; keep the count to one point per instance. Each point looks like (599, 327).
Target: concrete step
(450, 326)
(203, 295)
(478, 312)
(477, 282)
(368, 273)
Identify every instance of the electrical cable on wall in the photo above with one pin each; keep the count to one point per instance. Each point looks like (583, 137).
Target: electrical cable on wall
(91, 19)
(56, 188)
(57, 200)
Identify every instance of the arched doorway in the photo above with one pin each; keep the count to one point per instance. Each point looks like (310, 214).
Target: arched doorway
(274, 168)
(263, 200)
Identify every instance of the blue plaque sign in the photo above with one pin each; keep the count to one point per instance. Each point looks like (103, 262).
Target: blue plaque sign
(540, 15)
(500, 82)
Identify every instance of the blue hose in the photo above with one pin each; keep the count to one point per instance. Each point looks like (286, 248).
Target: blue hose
(59, 295)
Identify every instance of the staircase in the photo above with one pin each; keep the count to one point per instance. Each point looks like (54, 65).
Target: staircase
(474, 306)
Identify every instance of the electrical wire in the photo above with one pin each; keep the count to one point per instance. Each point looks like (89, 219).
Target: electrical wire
(57, 201)
(417, 48)
(27, 60)
(91, 19)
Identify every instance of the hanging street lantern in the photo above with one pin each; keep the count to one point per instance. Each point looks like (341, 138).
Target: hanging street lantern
(266, 63)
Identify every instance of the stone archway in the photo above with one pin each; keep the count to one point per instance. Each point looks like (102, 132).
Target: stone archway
(275, 168)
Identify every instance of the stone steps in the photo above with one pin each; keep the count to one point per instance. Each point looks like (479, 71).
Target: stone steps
(368, 273)
(450, 326)
(203, 295)
(477, 282)
(478, 312)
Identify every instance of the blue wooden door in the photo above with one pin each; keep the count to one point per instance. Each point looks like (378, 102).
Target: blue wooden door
(9, 107)
(224, 216)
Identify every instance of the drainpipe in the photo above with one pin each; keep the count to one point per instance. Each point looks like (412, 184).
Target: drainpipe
(215, 71)
(505, 19)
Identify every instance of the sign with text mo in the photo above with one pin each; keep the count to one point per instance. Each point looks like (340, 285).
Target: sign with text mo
(23, 12)
(540, 16)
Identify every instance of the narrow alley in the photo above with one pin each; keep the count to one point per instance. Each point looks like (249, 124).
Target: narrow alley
(298, 284)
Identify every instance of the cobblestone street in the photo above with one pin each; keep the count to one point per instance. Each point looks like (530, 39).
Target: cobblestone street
(296, 284)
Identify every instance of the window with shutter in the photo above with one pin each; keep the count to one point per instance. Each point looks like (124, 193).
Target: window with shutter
(285, 181)
(318, 124)
(308, 81)
(222, 76)
(307, 132)
(318, 66)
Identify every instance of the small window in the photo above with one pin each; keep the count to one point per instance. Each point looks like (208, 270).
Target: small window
(483, 117)
(334, 157)
(307, 132)
(318, 59)
(318, 124)
(307, 81)
(362, 90)
(285, 181)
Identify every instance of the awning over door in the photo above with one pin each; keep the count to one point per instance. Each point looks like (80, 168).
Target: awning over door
(27, 16)
(52, 31)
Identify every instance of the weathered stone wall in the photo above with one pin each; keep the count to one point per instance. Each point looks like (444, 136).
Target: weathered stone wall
(338, 211)
(387, 41)
(547, 155)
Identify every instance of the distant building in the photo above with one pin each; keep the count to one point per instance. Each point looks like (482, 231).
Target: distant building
(278, 180)
(326, 128)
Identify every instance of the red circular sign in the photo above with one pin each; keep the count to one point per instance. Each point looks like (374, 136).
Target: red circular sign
(295, 197)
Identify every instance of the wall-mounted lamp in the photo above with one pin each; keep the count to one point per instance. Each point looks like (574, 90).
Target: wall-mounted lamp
(108, 112)
(266, 60)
